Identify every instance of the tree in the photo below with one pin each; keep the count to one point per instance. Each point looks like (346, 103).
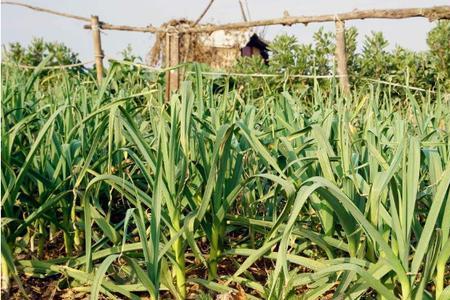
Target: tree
(38, 50)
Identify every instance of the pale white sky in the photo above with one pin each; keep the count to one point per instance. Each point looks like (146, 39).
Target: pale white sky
(21, 24)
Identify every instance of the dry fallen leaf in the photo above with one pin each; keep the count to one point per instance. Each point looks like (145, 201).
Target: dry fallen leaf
(239, 295)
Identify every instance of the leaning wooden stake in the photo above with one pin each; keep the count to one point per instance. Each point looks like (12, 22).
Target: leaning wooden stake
(172, 59)
(98, 52)
(341, 57)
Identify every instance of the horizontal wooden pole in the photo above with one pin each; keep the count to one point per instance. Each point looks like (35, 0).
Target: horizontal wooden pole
(147, 29)
(431, 13)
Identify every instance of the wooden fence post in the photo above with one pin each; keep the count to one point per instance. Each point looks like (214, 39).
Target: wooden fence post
(341, 57)
(172, 59)
(98, 52)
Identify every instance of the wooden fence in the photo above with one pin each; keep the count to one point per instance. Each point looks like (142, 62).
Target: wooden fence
(172, 34)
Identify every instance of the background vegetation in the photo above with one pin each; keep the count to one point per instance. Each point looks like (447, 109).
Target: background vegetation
(426, 70)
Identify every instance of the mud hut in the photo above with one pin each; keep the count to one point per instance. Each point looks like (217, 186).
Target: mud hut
(219, 49)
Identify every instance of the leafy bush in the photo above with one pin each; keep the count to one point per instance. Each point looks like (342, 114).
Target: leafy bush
(439, 43)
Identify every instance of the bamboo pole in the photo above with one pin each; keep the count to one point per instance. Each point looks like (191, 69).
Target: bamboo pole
(431, 13)
(341, 57)
(98, 52)
(172, 59)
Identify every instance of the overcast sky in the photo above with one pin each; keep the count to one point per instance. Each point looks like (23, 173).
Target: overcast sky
(21, 24)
